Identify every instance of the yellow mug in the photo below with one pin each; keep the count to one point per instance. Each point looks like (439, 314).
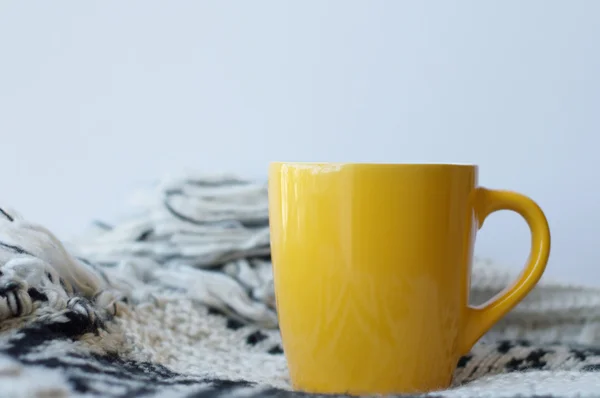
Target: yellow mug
(372, 271)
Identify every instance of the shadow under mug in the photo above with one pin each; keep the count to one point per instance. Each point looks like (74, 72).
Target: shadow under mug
(372, 271)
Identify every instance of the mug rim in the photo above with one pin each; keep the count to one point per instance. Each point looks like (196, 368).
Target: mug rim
(382, 164)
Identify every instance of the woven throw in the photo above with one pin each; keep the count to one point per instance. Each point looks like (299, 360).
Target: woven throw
(177, 301)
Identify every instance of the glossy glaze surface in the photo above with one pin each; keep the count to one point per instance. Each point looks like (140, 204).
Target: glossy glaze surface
(371, 266)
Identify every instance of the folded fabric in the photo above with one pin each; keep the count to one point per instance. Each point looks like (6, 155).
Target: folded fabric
(178, 300)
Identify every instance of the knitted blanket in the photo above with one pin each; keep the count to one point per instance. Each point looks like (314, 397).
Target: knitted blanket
(177, 301)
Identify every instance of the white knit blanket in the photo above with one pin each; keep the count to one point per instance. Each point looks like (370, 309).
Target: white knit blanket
(177, 301)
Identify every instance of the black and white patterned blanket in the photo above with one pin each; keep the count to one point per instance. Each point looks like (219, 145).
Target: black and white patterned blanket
(177, 301)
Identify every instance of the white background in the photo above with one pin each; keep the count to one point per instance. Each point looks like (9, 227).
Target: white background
(97, 98)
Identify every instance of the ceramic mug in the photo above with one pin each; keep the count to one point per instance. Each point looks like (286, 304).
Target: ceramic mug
(372, 271)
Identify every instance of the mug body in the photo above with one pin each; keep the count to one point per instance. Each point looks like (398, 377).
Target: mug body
(371, 271)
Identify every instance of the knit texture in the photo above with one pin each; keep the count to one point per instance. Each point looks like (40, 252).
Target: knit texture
(177, 301)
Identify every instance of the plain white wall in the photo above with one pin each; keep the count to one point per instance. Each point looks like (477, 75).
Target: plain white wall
(97, 98)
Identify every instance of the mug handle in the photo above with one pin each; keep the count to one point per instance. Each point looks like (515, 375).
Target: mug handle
(486, 201)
